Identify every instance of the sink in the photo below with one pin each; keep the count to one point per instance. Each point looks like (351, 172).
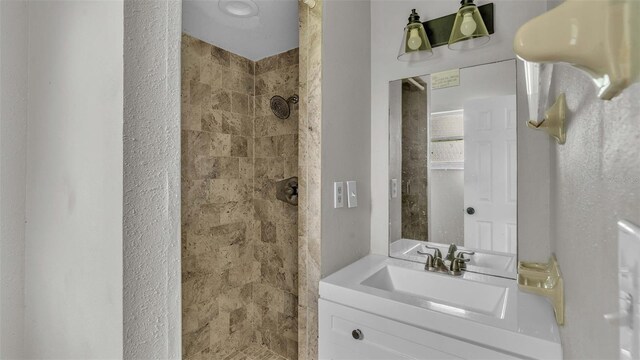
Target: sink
(442, 291)
(479, 308)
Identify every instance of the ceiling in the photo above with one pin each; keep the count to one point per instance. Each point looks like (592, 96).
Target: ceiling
(272, 31)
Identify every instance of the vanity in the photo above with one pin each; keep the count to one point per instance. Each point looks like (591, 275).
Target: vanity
(385, 308)
(448, 286)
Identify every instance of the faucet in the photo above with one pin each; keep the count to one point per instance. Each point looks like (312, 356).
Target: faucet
(436, 263)
(451, 253)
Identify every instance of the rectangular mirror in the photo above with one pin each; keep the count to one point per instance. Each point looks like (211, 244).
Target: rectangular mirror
(453, 166)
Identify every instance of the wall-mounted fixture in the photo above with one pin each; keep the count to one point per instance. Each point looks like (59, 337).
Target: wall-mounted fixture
(309, 3)
(542, 117)
(469, 28)
(415, 45)
(600, 37)
(544, 279)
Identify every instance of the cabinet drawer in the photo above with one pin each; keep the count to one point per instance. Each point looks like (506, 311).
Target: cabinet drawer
(383, 338)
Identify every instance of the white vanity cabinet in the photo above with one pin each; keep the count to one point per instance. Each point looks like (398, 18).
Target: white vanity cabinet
(400, 311)
(377, 337)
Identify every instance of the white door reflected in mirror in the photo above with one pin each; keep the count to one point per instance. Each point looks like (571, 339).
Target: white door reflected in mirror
(490, 174)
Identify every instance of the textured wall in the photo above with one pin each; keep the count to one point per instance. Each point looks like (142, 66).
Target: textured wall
(151, 178)
(13, 161)
(414, 163)
(74, 210)
(239, 243)
(595, 182)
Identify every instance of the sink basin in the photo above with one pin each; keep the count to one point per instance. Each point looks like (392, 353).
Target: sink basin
(442, 291)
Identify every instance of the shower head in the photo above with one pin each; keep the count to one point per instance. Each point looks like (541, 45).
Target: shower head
(280, 105)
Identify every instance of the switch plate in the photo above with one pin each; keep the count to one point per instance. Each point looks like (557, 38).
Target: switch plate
(352, 194)
(394, 188)
(338, 194)
(627, 318)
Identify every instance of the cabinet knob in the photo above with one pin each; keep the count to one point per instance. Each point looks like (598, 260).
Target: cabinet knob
(471, 211)
(357, 334)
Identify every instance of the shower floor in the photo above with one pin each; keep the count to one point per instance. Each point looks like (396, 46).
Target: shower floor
(252, 352)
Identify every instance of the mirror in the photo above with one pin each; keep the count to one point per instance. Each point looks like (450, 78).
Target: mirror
(453, 166)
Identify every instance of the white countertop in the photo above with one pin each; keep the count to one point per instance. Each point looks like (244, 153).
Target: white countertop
(525, 328)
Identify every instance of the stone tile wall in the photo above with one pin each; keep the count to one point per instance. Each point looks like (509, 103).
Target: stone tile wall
(239, 244)
(414, 164)
(309, 229)
(276, 158)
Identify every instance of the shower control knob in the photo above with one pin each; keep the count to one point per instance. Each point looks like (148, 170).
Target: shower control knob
(357, 334)
(471, 210)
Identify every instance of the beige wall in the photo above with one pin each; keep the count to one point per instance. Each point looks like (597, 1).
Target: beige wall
(239, 259)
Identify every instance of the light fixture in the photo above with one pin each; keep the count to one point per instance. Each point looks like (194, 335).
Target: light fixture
(239, 8)
(542, 117)
(469, 30)
(415, 45)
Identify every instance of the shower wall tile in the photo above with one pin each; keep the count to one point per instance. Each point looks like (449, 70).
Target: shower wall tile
(218, 266)
(309, 180)
(239, 244)
(275, 148)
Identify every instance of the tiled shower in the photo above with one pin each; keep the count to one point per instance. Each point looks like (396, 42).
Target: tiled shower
(239, 243)
(414, 163)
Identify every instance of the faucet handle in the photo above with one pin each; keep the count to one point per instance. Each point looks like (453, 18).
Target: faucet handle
(455, 268)
(436, 251)
(429, 264)
(461, 254)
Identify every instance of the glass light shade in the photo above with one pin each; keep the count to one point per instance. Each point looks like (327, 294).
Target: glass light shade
(415, 44)
(538, 81)
(469, 30)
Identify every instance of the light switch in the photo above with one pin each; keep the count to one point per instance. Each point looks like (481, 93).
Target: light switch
(352, 194)
(394, 188)
(627, 318)
(338, 194)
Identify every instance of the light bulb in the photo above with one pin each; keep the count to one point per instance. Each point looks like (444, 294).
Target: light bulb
(414, 42)
(468, 26)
